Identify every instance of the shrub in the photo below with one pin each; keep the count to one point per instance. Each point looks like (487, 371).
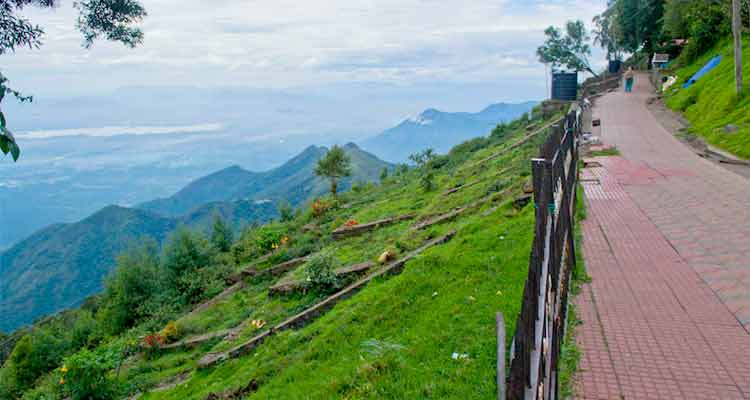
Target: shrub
(319, 207)
(286, 212)
(221, 234)
(320, 271)
(427, 181)
(170, 333)
(85, 375)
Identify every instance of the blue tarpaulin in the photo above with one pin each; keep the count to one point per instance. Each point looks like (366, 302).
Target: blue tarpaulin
(703, 71)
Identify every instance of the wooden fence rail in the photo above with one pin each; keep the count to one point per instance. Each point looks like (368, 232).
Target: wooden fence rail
(540, 328)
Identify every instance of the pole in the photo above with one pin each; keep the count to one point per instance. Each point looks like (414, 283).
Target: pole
(737, 33)
(500, 356)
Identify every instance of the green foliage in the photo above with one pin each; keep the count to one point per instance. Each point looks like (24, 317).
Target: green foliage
(8, 143)
(605, 34)
(131, 288)
(423, 157)
(384, 174)
(334, 165)
(86, 374)
(569, 49)
(320, 272)
(638, 24)
(222, 235)
(427, 181)
(703, 22)
(112, 19)
(286, 211)
(185, 251)
(34, 355)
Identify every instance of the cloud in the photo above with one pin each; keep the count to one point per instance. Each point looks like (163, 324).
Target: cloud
(110, 131)
(285, 43)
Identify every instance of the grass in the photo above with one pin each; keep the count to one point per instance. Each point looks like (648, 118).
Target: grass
(611, 151)
(395, 339)
(712, 102)
(570, 354)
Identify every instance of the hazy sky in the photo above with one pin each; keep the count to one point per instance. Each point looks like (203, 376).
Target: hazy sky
(283, 43)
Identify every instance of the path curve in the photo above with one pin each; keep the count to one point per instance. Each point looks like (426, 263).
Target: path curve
(667, 244)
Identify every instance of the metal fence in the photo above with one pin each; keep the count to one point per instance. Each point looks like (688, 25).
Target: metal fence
(540, 329)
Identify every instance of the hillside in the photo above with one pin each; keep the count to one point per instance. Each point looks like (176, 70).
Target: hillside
(421, 326)
(59, 266)
(440, 130)
(293, 181)
(711, 104)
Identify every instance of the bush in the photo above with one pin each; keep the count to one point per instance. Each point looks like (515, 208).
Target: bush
(221, 234)
(321, 272)
(427, 181)
(130, 288)
(286, 212)
(85, 375)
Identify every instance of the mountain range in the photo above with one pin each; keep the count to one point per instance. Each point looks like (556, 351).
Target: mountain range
(59, 266)
(440, 130)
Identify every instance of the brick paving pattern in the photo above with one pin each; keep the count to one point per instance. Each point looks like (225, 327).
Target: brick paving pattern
(667, 245)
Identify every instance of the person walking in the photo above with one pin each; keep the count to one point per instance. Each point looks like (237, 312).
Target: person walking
(629, 79)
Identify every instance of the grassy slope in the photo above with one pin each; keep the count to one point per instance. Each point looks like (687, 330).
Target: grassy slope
(394, 339)
(712, 103)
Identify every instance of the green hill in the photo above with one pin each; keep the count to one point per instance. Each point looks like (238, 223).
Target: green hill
(293, 181)
(423, 330)
(711, 105)
(59, 266)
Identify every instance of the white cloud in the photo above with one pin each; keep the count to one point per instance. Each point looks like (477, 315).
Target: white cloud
(283, 43)
(109, 131)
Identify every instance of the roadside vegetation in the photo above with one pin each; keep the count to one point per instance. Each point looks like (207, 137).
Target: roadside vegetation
(425, 333)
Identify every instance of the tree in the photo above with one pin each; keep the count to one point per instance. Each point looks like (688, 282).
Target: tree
(113, 20)
(639, 24)
(334, 165)
(286, 211)
(567, 49)
(384, 174)
(423, 157)
(131, 287)
(605, 34)
(221, 234)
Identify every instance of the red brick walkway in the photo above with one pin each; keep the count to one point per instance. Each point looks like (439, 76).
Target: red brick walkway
(667, 244)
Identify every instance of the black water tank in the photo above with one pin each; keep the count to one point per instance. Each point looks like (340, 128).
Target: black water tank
(614, 66)
(564, 86)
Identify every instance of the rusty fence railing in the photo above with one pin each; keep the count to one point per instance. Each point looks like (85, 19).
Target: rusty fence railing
(540, 329)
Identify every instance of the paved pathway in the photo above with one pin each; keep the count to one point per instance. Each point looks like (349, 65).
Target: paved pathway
(667, 244)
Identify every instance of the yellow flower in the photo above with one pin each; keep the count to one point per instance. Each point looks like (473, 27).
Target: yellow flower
(64, 369)
(62, 381)
(258, 323)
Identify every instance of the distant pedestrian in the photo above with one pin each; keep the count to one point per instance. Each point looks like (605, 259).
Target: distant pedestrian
(629, 78)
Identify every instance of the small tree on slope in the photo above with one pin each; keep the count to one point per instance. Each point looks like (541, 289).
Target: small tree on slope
(334, 165)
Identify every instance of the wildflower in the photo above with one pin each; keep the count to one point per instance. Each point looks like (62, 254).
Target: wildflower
(285, 240)
(258, 323)
(62, 381)
(64, 369)
(351, 222)
(275, 246)
(499, 293)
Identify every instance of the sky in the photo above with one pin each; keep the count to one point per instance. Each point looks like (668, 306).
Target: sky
(293, 44)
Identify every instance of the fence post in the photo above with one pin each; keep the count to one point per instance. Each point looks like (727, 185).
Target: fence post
(500, 356)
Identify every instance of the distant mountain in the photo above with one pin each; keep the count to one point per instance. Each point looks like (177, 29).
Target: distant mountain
(59, 266)
(293, 181)
(440, 130)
